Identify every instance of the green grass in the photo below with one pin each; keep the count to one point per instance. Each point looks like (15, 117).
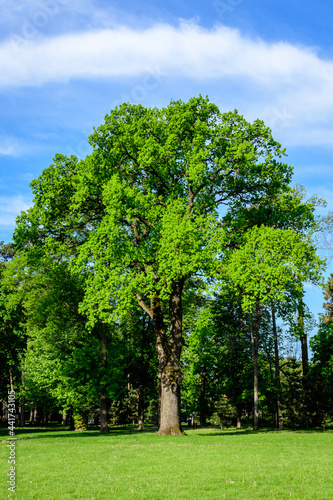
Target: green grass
(206, 464)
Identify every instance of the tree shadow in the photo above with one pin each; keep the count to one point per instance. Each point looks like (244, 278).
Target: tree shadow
(50, 432)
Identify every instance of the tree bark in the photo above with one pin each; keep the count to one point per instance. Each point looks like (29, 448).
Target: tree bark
(279, 416)
(35, 417)
(239, 417)
(140, 408)
(305, 354)
(22, 405)
(64, 418)
(303, 339)
(104, 414)
(104, 428)
(71, 420)
(11, 382)
(22, 412)
(203, 376)
(254, 341)
(169, 351)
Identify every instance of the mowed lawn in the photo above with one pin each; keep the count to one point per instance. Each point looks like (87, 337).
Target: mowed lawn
(205, 464)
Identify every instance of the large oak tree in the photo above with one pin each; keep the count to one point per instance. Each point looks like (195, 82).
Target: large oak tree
(140, 214)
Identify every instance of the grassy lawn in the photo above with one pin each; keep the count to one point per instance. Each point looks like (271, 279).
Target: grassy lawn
(206, 464)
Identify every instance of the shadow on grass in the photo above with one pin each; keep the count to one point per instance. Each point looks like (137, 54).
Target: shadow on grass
(58, 432)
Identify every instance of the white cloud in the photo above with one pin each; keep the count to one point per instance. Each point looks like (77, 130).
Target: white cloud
(192, 51)
(10, 208)
(9, 146)
(289, 86)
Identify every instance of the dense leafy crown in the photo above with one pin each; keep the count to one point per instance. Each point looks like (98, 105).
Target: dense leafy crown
(141, 212)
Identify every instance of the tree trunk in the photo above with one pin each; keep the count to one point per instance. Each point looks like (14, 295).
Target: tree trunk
(104, 415)
(203, 376)
(140, 408)
(22, 412)
(64, 418)
(35, 418)
(103, 402)
(22, 405)
(254, 341)
(4, 410)
(279, 419)
(239, 417)
(303, 338)
(305, 354)
(71, 420)
(169, 351)
(11, 382)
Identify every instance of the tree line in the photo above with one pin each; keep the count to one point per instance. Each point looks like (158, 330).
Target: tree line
(150, 279)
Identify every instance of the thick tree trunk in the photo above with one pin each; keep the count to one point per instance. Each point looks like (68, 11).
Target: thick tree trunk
(104, 428)
(169, 351)
(203, 376)
(279, 416)
(254, 341)
(140, 408)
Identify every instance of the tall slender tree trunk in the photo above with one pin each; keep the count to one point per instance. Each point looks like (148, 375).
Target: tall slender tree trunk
(64, 418)
(254, 341)
(203, 376)
(35, 417)
(169, 351)
(11, 381)
(303, 338)
(71, 420)
(140, 408)
(239, 417)
(22, 405)
(22, 412)
(279, 416)
(104, 428)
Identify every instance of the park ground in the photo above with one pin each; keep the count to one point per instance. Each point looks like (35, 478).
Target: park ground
(53, 463)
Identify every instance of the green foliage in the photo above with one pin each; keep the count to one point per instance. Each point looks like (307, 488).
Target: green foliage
(12, 328)
(328, 296)
(270, 263)
(141, 211)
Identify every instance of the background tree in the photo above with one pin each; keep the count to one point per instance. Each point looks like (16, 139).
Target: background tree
(12, 337)
(269, 264)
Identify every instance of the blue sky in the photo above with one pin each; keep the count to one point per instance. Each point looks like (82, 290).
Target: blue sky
(65, 63)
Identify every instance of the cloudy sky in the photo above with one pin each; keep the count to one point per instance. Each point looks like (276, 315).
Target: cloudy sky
(65, 63)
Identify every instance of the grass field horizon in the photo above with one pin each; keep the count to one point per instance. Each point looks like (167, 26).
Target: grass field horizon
(206, 463)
